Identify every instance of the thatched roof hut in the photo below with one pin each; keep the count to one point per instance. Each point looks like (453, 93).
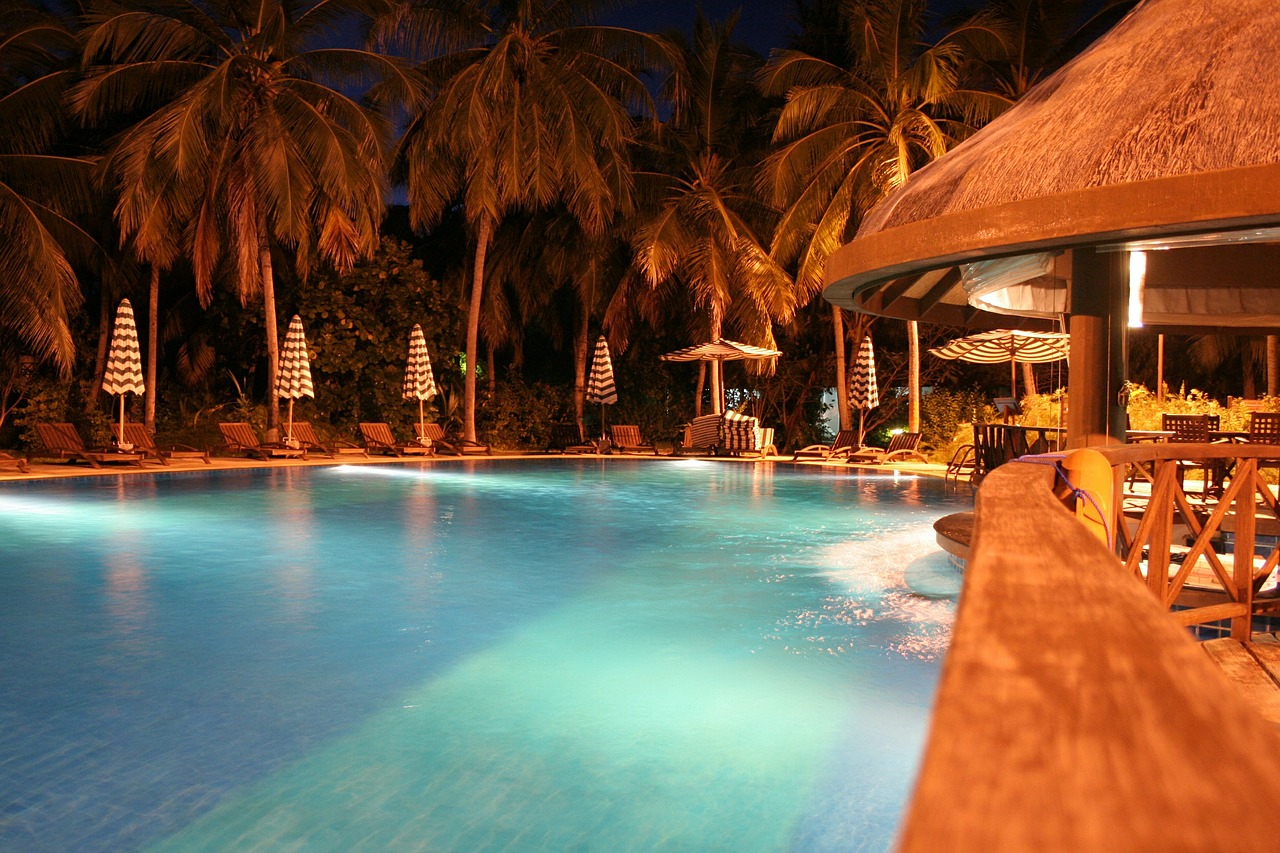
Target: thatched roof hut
(1167, 126)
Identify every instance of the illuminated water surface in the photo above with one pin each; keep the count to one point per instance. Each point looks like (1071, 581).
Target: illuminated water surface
(513, 656)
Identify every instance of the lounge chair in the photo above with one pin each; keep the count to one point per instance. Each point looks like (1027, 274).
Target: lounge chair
(903, 446)
(63, 442)
(742, 435)
(240, 438)
(846, 441)
(627, 439)
(378, 439)
(306, 436)
(567, 438)
(701, 436)
(455, 446)
(8, 460)
(143, 441)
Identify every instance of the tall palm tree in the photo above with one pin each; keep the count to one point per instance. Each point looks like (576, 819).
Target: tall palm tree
(241, 142)
(527, 105)
(704, 229)
(878, 104)
(41, 190)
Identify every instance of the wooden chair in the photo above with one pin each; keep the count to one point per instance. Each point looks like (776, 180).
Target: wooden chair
(845, 442)
(1191, 429)
(567, 438)
(239, 437)
(1264, 428)
(626, 438)
(63, 442)
(701, 436)
(378, 439)
(903, 446)
(140, 437)
(305, 435)
(451, 445)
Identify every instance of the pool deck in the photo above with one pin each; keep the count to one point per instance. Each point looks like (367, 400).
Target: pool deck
(58, 470)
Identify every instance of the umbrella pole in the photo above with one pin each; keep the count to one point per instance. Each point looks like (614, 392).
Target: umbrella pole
(288, 432)
(422, 421)
(121, 441)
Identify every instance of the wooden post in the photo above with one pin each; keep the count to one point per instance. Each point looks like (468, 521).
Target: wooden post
(1099, 292)
(1242, 564)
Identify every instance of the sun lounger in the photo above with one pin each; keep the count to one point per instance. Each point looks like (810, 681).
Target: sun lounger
(378, 439)
(240, 438)
(846, 441)
(627, 439)
(903, 446)
(701, 436)
(141, 440)
(306, 436)
(63, 442)
(451, 445)
(9, 460)
(567, 438)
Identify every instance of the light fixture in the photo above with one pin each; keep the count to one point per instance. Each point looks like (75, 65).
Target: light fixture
(1137, 285)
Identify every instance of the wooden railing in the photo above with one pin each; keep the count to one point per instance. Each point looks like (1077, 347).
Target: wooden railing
(1144, 526)
(1073, 714)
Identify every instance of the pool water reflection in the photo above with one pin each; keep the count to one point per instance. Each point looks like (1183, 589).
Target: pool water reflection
(626, 655)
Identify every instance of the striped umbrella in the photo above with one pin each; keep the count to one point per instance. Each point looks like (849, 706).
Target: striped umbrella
(124, 360)
(600, 387)
(419, 384)
(718, 352)
(864, 392)
(1009, 345)
(294, 379)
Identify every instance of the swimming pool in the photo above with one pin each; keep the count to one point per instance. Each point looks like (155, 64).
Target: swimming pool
(525, 655)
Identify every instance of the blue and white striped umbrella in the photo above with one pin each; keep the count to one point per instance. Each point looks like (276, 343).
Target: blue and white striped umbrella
(600, 387)
(124, 359)
(419, 383)
(293, 381)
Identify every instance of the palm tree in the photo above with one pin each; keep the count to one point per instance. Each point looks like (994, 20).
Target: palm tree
(239, 143)
(874, 106)
(41, 190)
(704, 229)
(525, 108)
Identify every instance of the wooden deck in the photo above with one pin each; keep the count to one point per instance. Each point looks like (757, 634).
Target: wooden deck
(1254, 668)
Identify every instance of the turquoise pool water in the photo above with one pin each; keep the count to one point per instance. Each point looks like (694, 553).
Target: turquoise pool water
(602, 656)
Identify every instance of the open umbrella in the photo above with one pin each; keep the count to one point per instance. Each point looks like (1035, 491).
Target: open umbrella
(294, 380)
(600, 387)
(419, 384)
(718, 352)
(1008, 345)
(124, 360)
(864, 393)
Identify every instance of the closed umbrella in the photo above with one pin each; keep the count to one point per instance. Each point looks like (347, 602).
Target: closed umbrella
(294, 379)
(600, 387)
(419, 384)
(864, 392)
(124, 360)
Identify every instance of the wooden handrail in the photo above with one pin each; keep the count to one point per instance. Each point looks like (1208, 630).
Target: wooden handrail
(1073, 714)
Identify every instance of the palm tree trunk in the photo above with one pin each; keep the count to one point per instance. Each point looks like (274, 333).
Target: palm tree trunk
(1273, 365)
(717, 366)
(473, 327)
(702, 384)
(842, 369)
(104, 336)
(1028, 378)
(580, 367)
(913, 378)
(273, 338)
(493, 370)
(153, 347)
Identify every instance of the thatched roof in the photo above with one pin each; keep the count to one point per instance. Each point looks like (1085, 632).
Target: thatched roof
(1168, 124)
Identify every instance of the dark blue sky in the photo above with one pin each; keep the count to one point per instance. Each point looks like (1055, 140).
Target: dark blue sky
(763, 24)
